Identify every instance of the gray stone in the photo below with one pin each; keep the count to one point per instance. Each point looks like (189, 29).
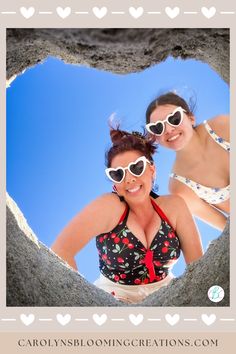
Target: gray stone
(192, 287)
(38, 277)
(35, 275)
(117, 50)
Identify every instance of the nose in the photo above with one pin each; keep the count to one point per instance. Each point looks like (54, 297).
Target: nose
(168, 128)
(129, 178)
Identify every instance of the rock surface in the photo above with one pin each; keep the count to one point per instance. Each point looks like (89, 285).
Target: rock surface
(37, 277)
(117, 50)
(29, 262)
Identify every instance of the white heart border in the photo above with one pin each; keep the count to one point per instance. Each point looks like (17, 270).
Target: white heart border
(135, 12)
(134, 319)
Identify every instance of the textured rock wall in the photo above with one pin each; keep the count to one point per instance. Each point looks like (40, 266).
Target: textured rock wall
(37, 277)
(118, 50)
(29, 264)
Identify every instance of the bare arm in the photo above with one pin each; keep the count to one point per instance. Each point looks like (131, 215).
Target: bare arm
(197, 206)
(96, 218)
(183, 222)
(188, 233)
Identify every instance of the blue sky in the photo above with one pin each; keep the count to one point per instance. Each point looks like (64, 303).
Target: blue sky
(57, 135)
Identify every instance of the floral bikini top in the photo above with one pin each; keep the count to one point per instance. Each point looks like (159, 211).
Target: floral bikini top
(124, 259)
(209, 194)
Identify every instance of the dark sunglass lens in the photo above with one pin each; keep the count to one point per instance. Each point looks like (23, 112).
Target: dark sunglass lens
(116, 175)
(137, 168)
(157, 128)
(175, 119)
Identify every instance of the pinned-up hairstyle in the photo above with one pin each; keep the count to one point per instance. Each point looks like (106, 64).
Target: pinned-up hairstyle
(124, 141)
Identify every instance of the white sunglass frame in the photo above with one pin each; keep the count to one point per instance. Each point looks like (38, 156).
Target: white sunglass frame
(141, 158)
(178, 109)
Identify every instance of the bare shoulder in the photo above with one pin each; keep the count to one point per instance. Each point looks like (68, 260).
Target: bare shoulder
(100, 215)
(220, 124)
(112, 209)
(109, 203)
(108, 198)
(219, 120)
(172, 206)
(171, 201)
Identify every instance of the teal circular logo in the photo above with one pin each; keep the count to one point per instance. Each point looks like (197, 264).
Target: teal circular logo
(216, 293)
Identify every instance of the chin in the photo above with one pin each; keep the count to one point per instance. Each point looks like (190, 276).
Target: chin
(172, 147)
(139, 197)
(176, 146)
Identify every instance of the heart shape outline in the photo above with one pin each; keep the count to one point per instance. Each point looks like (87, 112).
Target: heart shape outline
(136, 319)
(172, 13)
(136, 12)
(208, 320)
(172, 319)
(63, 319)
(99, 320)
(100, 12)
(27, 319)
(27, 13)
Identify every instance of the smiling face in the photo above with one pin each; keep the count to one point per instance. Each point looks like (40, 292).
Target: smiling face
(175, 138)
(133, 188)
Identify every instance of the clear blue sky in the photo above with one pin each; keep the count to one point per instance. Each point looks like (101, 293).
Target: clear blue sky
(57, 134)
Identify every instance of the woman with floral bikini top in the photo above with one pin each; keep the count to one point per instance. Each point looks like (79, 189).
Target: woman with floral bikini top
(200, 173)
(137, 243)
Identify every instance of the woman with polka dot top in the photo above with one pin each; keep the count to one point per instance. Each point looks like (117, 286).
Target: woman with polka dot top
(139, 235)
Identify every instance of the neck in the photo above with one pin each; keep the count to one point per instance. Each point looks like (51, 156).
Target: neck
(194, 150)
(142, 209)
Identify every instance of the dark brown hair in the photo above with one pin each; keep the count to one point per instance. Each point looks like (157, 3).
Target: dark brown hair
(124, 141)
(169, 98)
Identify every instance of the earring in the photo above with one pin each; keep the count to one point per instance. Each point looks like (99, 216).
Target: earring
(154, 186)
(154, 178)
(115, 191)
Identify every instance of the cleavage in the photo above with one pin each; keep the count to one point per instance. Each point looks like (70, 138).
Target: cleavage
(147, 234)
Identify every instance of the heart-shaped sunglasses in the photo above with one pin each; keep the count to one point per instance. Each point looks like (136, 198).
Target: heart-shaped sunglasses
(136, 168)
(174, 119)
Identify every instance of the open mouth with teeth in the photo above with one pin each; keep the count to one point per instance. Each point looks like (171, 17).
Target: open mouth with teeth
(174, 137)
(134, 189)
